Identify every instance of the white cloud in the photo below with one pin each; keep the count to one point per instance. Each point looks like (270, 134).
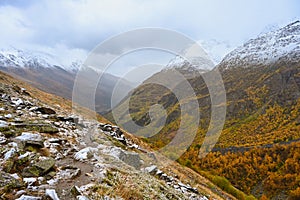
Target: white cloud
(74, 27)
(14, 26)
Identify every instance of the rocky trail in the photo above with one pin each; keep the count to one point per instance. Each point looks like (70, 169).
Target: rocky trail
(46, 153)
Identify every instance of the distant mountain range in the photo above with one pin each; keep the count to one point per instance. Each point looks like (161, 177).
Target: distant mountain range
(44, 72)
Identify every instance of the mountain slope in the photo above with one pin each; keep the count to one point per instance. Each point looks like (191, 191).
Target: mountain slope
(47, 153)
(261, 80)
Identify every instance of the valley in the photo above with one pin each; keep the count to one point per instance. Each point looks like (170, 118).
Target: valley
(112, 101)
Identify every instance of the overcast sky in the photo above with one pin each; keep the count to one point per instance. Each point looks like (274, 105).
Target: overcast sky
(74, 27)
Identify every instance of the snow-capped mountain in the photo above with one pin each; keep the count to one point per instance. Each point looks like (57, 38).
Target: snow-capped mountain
(13, 57)
(267, 48)
(193, 64)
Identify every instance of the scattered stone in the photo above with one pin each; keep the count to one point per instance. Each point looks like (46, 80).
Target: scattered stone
(9, 153)
(69, 119)
(52, 182)
(130, 158)
(52, 194)
(84, 188)
(69, 172)
(20, 192)
(24, 155)
(41, 179)
(24, 91)
(30, 181)
(151, 170)
(18, 120)
(45, 110)
(34, 108)
(3, 139)
(8, 181)
(45, 116)
(45, 165)
(80, 197)
(38, 169)
(15, 175)
(159, 172)
(3, 124)
(31, 171)
(85, 153)
(75, 190)
(17, 102)
(8, 116)
(26, 197)
(121, 139)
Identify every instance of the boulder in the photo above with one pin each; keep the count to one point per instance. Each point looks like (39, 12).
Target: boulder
(30, 139)
(52, 194)
(8, 182)
(38, 169)
(85, 153)
(68, 172)
(45, 165)
(31, 171)
(130, 158)
(3, 124)
(151, 170)
(30, 181)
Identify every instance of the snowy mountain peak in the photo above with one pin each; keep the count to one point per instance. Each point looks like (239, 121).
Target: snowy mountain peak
(13, 57)
(267, 48)
(193, 64)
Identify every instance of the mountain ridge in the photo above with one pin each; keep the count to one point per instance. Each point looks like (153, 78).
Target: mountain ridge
(267, 48)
